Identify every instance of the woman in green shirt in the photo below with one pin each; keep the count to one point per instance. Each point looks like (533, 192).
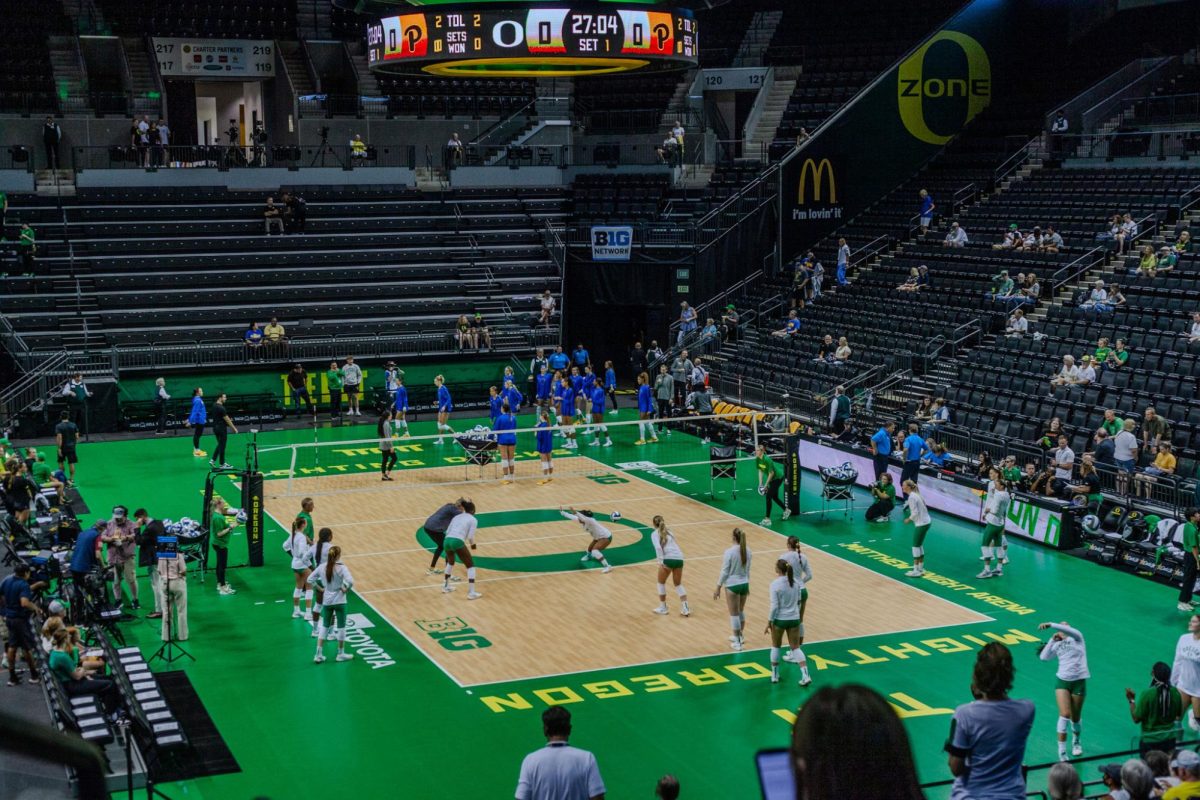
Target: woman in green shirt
(884, 493)
(769, 481)
(79, 681)
(334, 378)
(1157, 710)
(219, 529)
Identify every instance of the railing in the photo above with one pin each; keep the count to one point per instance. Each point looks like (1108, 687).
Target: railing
(871, 249)
(1160, 144)
(226, 157)
(715, 303)
(1189, 198)
(17, 156)
(966, 194)
(34, 386)
(508, 127)
(1102, 99)
(1017, 160)
(730, 150)
(1162, 110)
(27, 104)
(1071, 272)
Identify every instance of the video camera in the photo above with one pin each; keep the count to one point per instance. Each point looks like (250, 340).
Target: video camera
(260, 135)
(324, 131)
(234, 132)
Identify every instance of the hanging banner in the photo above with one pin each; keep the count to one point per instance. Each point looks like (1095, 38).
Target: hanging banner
(215, 58)
(612, 242)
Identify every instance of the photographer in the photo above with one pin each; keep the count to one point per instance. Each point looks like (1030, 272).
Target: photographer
(84, 558)
(121, 538)
(172, 576)
(149, 531)
(234, 156)
(259, 138)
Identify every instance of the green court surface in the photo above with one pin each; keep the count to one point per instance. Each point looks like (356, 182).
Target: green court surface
(391, 723)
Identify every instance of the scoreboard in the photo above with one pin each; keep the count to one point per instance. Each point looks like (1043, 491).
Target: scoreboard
(539, 41)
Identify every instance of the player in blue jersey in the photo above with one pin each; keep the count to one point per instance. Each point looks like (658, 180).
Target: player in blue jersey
(610, 385)
(558, 387)
(645, 397)
(543, 387)
(506, 437)
(512, 395)
(444, 406)
(567, 415)
(495, 401)
(545, 446)
(599, 429)
(400, 406)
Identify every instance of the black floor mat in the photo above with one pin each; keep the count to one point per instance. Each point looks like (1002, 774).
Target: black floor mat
(207, 754)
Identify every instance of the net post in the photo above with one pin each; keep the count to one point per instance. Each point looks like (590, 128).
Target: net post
(292, 469)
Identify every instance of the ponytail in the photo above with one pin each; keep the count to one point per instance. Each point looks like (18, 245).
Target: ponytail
(786, 567)
(793, 543)
(297, 524)
(335, 553)
(741, 540)
(660, 525)
(324, 537)
(1161, 682)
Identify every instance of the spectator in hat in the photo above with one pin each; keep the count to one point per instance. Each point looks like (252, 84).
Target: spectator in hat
(297, 381)
(729, 323)
(957, 237)
(1186, 767)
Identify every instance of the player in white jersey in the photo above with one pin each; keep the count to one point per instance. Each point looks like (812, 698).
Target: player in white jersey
(784, 618)
(317, 555)
(670, 562)
(297, 546)
(335, 582)
(735, 577)
(918, 517)
(601, 536)
(801, 572)
(1068, 647)
(459, 533)
(1185, 673)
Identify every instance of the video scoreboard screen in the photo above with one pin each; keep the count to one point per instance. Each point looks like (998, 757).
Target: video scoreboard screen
(533, 42)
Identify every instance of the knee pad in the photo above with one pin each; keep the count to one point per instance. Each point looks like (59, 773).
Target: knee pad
(662, 589)
(799, 656)
(297, 594)
(470, 573)
(774, 655)
(916, 551)
(679, 590)
(317, 609)
(341, 635)
(800, 629)
(308, 595)
(735, 623)
(1063, 723)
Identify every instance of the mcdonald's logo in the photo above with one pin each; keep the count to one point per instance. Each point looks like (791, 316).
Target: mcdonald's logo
(819, 170)
(913, 86)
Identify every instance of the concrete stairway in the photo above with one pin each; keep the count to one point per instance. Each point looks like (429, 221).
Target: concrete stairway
(368, 85)
(297, 70)
(774, 107)
(758, 36)
(70, 82)
(142, 77)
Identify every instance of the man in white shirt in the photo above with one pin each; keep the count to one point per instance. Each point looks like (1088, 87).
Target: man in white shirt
(559, 771)
(1052, 241)
(1125, 453)
(1064, 465)
(1087, 373)
(352, 382)
(957, 237)
(1068, 375)
(454, 152)
(1017, 324)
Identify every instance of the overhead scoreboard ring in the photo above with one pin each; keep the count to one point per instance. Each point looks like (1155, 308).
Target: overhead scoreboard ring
(537, 42)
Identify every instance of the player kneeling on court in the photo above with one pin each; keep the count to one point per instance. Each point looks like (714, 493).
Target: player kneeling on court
(601, 536)
(784, 617)
(335, 581)
(735, 577)
(459, 532)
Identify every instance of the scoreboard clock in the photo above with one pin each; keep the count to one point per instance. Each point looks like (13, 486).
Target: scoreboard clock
(536, 41)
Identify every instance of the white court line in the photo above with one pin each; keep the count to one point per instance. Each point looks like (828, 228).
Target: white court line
(526, 539)
(388, 620)
(541, 507)
(725, 652)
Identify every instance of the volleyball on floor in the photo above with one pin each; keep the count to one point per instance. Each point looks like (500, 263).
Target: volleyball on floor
(1090, 523)
(614, 516)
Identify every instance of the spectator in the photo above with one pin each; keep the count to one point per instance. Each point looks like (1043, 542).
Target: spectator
(1063, 783)
(51, 137)
(297, 212)
(481, 332)
(922, 277)
(729, 323)
(825, 348)
(1110, 424)
(1186, 767)
(1148, 263)
(1052, 240)
(1163, 466)
(1060, 124)
(297, 381)
(559, 771)
(1160, 766)
(1002, 286)
(1031, 242)
(27, 248)
(687, 322)
(16, 608)
(1105, 449)
(1043, 484)
(272, 216)
(818, 279)
(939, 415)
(1157, 710)
(1118, 357)
(76, 680)
(1194, 330)
(120, 536)
(1183, 244)
(914, 448)
(1064, 465)
(1028, 476)
(709, 332)
(1012, 238)
(668, 151)
(843, 263)
(910, 283)
(937, 457)
(333, 378)
(1087, 486)
(881, 449)
(351, 382)
(462, 331)
(848, 742)
(664, 392)
(984, 466)
(681, 372)
(547, 304)
(957, 237)
(1116, 298)
(1125, 453)
(677, 132)
(1068, 374)
(802, 137)
(843, 351)
(1051, 433)
(580, 357)
(253, 339)
(1127, 231)
(76, 392)
(1155, 430)
(988, 735)
(1137, 781)
(699, 400)
(924, 410)
(925, 210)
(1096, 298)
(453, 155)
(699, 376)
(839, 411)
(1017, 324)
(791, 328)
(1010, 471)
(358, 148)
(637, 358)
(884, 494)
(275, 336)
(667, 788)
(1031, 290)
(802, 283)
(1087, 372)
(559, 360)
(164, 141)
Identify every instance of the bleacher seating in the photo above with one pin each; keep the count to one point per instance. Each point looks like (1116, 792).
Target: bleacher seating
(228, 19)
(615, 197)
(194, 265)
(622, 104)
(26, 75)
(453, 97)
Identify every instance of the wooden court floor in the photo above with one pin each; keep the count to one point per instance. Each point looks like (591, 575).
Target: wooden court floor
(544, 613)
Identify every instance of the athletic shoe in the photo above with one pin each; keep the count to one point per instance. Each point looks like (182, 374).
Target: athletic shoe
(613, 411)
(662, 610)
(199, 453)
(447, 588)
(607, 569)
(1184, 607)
(640, 441)
(997, 573)
(987, 573)
(774, 676)
(229, 589)
(544, 481)
(437, 441)
(136, 604)
(608, 443)
(805, 681)
(473, 595)
(736, 644)
(655, 439)
(386, 477)
(14, 680)
(296, 614)
(227, 466)
(586, 558)
(985, 558)
(318, 658)
(1003, 559)
(1062, 755)
(455, 579)
(212, 463)
(913, 573)
(686, 610)
(1076, 749)
(766, 522)
(733, 639)
(787, 512)
(505, 482)
(432, 571)
(344, 656)
(594, 443)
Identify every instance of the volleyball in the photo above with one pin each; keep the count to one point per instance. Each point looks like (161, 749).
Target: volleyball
(241, 516)
(614, 516)
(1090, 523)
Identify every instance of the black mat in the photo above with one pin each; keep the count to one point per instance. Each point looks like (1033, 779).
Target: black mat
(206, 754)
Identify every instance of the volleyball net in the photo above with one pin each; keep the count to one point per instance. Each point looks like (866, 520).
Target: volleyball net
(471, 454)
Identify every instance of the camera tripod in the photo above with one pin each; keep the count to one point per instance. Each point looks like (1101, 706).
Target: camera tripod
(323, 149)
(171, 651)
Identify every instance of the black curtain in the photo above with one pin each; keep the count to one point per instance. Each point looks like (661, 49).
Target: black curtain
(736, 254)
(181, 111)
